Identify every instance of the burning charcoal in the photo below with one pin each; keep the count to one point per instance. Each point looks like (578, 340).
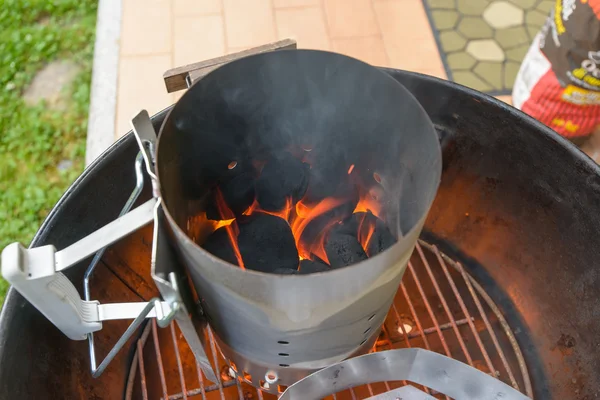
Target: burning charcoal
(219, 245)
(350, 225)
(343, 250)
(381, 239)
(324, 184)
(238, 193)
(286, 271)
(310, 267)
(281, 178)
(266, 243)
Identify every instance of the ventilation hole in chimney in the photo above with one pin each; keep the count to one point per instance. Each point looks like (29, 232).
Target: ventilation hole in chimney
(283, 342)
(284, 365)
(247, 376)
(363, 342)
(226, 373)
(232, 165)
(367, 331)
(271, 377)
(284, 354)
(371, 317)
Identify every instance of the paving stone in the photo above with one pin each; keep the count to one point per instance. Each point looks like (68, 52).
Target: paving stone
(50, 82)
(524, 4)
(444, 19)
(452, 41)
(545, 6)
(511, 70)
(471, 80)
(536, 18)
(512, 37)
(460, 60)
(518, 53)
(490, 72)
(443, 4)
(471, 7)
(485, 50)
(502, 14)
(533, 30)
(475, 28)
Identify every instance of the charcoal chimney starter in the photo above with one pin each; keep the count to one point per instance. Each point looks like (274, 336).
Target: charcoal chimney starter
(339, 115)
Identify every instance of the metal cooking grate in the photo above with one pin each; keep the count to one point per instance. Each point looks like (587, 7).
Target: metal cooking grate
(438, 307)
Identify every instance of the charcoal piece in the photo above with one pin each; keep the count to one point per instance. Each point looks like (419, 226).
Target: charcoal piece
(324, 221)
(343, 250)
(310, 267)
(350, 225)
(286, 271)
(219, 245)
(266, 243)
(238, 193)
(325, 183)
(281, 178)
(381, 239)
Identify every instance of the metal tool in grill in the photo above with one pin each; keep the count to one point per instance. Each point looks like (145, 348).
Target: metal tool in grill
(90, 314)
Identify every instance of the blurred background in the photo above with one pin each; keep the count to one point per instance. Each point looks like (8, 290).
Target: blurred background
(48, 49)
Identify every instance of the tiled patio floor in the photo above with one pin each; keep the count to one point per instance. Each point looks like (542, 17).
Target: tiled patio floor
(160, 34)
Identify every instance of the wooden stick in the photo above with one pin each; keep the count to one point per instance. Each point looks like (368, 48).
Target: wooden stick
(178, 78)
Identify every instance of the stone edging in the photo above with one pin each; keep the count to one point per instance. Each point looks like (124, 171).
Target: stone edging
(103, 101)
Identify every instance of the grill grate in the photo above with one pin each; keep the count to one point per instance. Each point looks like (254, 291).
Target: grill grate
(436, 307)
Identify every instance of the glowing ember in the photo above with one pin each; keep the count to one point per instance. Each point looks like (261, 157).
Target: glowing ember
(315, 224)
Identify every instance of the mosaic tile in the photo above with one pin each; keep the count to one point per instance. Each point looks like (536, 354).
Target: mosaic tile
(502, 14)
(490, 72)
(518, 53)
(471, 80)
(448, 4)
(461, 60)
(545, 6)
(471, 7)
(512, 37)
(444, 19)
(475, 28)
(483, 42)
(533, 30)
(524, 4)
(452, 41)
(485, 50)
(534, 17)
(510, 73)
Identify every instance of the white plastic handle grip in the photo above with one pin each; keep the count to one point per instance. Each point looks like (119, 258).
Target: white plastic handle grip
(35, 273)
(32, 274)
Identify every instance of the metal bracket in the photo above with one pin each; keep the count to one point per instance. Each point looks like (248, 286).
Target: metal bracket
(423, 367)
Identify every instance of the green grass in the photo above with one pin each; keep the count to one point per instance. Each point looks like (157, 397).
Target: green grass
(34, 139)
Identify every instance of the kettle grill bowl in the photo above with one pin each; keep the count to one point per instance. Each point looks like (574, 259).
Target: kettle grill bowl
(518, 206)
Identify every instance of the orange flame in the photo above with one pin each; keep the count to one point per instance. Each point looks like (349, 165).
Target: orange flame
(305, 214)
(366, 227)
(350, 169)
(369, 202)
(231, 229)
(200, 222)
